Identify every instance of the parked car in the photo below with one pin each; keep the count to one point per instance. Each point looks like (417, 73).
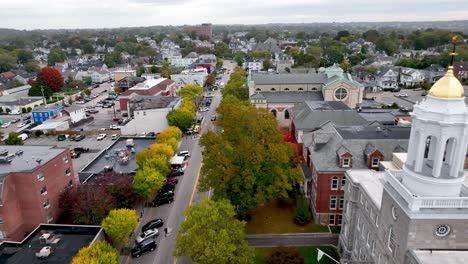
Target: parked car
(144, 247)
(101, 136)
(213, 118)
(78, 137)
(7, 124)
(114, 127)
(106, 106)
(99, 105)
(175, 173)
(92, 111)
(204, 109)
(23, 136)
(115, 136)
(81, 149)
(171, 179)
(80, 102)
(74, 154)
(15, 120)
(117, 119)
(163, 199)
(62, 137)
(96, 86)
(147, 234)
(155, 223)
(167, 187)
(183, 153)
(402, 95)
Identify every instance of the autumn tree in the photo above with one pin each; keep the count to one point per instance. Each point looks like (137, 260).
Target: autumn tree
(212, 234)
(140, 71)
(147, 180)
(13, 139)
(170, 132)
(179, 118)
(286, 255)
(119, 224)
(190, 91)
(50, 77)
(87, 92)
(166, 70)
(98, 252)
(249, 163)
(210, 80)
(346, 66)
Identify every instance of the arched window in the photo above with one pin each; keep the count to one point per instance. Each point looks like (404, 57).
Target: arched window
(286, 89)
(258, 89)
(272, 89)
(314, 89)
(300, 89)
(343, 182)
(286, 114)
(273, 112)
(334, 183)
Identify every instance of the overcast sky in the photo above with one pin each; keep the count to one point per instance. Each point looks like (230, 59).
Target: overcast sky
(50, 14)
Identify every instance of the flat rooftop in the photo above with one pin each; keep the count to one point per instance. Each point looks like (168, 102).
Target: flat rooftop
(109, 157)
(31, 158)
(65, 241)
(374, 132)
(148, 84)
(441, 256)
(371, 183)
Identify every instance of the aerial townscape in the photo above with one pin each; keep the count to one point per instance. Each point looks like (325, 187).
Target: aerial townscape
(179, 132)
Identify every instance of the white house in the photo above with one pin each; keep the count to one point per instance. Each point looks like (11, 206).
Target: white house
(387, 78)
(100, 75)
(253, 64)
(197, 76)
(149, 114)
(76, 113)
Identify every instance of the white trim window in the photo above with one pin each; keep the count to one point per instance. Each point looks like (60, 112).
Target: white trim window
(40, 177)
(46, 204)
(341, 203)
(50, 218)
(44, 191)
(346, 162)
(334, 183)
(331, 219)
(68, 172)
(343, 182)
(333, 202)
(340, 219)
(375, 162)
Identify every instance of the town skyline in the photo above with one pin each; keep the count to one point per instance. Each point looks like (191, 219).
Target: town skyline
(88, 14)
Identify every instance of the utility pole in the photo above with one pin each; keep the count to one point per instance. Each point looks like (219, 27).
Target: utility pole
(43, 98)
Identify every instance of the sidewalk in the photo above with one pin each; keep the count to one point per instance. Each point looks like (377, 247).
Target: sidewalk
(296, 239)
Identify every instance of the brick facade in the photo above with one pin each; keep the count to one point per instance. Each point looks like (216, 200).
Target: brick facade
(24, 200)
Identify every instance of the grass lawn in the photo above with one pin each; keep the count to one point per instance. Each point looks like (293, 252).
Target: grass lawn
(309, 253)
(277, 217)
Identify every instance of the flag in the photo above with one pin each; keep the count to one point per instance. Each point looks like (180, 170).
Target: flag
(319, 254)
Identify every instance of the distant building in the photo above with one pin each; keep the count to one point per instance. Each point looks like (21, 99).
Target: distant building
(17, 98)
(49, 243)
(152, 87)
(197, 76)
(42, 113)
(461, 70)
(32, 179)
(120, 74)
(128, 82)
(76, 113)
(254, 65)
(205, 29)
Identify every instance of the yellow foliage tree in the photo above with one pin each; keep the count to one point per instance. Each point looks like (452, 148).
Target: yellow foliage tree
(147, 180)
(97, 253)
(170, 132)
(119, 223)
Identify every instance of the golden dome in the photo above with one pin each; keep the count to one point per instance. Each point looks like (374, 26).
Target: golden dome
(447, 87)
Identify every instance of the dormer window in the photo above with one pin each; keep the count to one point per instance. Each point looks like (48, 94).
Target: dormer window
(346, 162)
(375, 162)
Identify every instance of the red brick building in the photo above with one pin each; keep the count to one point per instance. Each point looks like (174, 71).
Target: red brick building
(31, 180)
(331, 150)
(205, 29)
(151, 87)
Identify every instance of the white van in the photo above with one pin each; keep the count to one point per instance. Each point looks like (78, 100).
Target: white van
(23, 136)
(221, 85)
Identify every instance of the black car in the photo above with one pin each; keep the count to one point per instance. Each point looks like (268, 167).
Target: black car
(78, 137)
(156, 223)
(81, 149)
(175, 173)
(167, 187)
(144, 247)
(163, 198)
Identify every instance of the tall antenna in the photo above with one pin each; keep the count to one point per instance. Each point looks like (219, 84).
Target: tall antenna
(453, 54)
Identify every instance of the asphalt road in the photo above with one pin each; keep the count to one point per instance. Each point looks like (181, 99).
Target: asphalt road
(185, 194)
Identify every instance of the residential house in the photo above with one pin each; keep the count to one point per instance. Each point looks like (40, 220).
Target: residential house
(42, 113)
(8, 79)
(100, 75)
(76, 113)
(128, 82)
(152, 87)
(461, 70)
(332, 150)
(208, 61)
(23, 77)
(254, 64)
(149, 113)
(282, 63)
(33, 179)
(387, 78)
(196, 76)
(270, 44)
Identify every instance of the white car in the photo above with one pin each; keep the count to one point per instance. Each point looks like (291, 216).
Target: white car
(80, 102)
(102, 129)
(204, 109)
(22, 124)
(114, 127)
(7, 124)
(101, 136)
(115, 136)
(403, 95)
(147, 234)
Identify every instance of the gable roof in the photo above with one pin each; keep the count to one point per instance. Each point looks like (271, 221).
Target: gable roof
(7, 75)
(290, 78)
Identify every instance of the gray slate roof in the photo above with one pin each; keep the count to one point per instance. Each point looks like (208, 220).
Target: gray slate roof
(290, 78)
(290, 97)
(311, 115)
(325, 156)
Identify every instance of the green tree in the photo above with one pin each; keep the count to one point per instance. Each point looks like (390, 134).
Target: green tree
(98, 253)
(346, 66)
(70, 100)
(32, 66)
(24, 56)
(221, 49)
(55, 55)
(166, 69)
(112, 59)
(260, 54)
(119, 224)
(7, 62)
(147, 180)
(154, 69)
(266, 64)
(140, 71)
(239, 58)
(301, 211)
(87, 92)
(286, 255)
(190, 91)
(13, 139)
(181, 119)
(8, 110)
(23, 110)
(211, 234)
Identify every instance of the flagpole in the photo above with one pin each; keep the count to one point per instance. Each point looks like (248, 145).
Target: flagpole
(323, 253)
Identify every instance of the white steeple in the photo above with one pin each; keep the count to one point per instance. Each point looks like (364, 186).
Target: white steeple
(438, 141)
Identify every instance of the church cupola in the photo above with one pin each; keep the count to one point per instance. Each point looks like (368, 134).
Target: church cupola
(438, 141)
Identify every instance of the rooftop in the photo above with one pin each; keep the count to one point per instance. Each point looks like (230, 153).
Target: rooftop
(109, 157)
(290, 97)
(371, 183)
(289, 78)
(30, 159)
(440, 256)
(373, 132)
(65, 241)
(148, 84)
(47, 107)
(154, 102)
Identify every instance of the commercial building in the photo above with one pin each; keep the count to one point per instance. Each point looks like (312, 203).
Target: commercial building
(151, 87)
(49, 243)
(197, 76)
(416, 212)
(17, 98)
(32, 179)
(44, 112)
(205, 29)
(128, 82)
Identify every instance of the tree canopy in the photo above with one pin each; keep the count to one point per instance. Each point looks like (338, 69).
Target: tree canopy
(13, 139)
(119, 224)
(97, 253)
(50, 77)
(211, 234)
(180, 118)
(148, 179)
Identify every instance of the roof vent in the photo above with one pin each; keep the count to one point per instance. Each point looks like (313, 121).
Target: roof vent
(39, 160)
(379, 129)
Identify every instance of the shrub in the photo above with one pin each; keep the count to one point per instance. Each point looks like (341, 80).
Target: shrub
(301, 211)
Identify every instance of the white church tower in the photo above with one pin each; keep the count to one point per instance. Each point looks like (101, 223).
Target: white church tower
(438, 141)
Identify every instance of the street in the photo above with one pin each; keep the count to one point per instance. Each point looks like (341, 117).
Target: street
(185, 194)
